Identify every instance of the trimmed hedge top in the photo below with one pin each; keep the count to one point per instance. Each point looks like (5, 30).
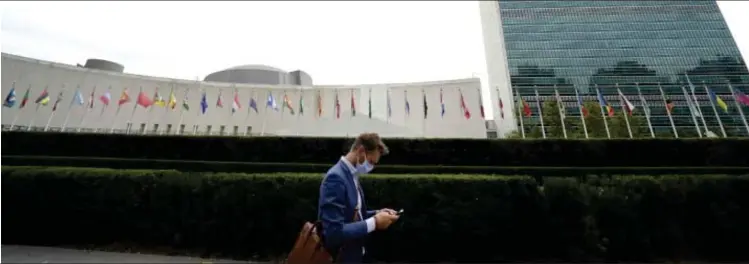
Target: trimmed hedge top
(455, 152)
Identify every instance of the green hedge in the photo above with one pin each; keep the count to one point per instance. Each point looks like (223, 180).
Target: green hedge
(258, 167)
(469, 218)
(453, 152)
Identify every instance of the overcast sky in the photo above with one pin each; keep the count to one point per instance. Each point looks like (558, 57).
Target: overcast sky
(335, 42)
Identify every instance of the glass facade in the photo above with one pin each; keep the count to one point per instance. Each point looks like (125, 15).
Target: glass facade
(627, 44)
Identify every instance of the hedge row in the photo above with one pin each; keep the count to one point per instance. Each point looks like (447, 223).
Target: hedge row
(454, 152)
(258, 167)
(450, 218)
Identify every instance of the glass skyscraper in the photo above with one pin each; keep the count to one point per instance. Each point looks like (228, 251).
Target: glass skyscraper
(605, 45)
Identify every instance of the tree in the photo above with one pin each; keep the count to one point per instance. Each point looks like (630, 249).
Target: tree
(594, 124)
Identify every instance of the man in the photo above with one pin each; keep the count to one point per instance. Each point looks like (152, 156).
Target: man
(342, 201)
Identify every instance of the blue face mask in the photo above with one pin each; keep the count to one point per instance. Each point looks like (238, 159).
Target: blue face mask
(365, 167)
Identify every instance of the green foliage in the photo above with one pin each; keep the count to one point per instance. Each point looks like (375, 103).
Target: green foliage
(597, 152)
(458, 218)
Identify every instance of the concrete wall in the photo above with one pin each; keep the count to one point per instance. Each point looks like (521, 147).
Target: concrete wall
(22, 73)
(497, 67)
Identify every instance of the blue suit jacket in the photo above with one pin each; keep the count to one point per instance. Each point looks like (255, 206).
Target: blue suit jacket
(336, 209)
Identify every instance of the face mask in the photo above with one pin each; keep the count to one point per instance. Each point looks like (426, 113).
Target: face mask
(365, 167)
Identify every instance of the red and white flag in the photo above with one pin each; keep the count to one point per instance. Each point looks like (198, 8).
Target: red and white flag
(235, 106)
(626, 103)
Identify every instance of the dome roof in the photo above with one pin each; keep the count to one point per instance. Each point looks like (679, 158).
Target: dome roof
(255, 67)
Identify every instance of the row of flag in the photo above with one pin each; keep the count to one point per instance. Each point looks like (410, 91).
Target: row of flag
(145, 101)
(607, 109)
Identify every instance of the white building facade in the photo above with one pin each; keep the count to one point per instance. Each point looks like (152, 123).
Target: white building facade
(22, 74)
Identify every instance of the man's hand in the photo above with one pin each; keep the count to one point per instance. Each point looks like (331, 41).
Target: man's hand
(391, 211)
(383, 219)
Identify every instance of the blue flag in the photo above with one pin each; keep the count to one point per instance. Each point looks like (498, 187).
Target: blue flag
(10, 100)
(78, 98)
(253, 104)
(203, 104)
(271, 102)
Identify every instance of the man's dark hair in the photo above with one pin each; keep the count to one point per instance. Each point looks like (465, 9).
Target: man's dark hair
(370, 142)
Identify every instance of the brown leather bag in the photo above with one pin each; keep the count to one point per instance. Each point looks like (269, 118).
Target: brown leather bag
(308, 248)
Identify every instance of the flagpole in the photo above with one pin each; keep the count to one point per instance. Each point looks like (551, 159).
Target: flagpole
(623, 101)
(299, 115)
(540, 112)
(54, 111)
(603, 114)
(582, 114)
(741, 112)
(646, 109)
(692, 111)
(715, 109)
(167, 105)
(149, 110)
(668, 111)
(561, 109)
(520, 114)
(85, 115)
(15, 118)
(424, 118)
(696, 102)
(135, 106)
(265, 112)
(182, 111)
(67, 115)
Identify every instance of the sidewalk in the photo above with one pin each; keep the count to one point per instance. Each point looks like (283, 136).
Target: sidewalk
(31, 254)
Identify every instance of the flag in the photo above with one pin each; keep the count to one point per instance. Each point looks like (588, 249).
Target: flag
(91, 99)
(714, 97)
(627, 104)
(253, 104)
(370, 102)
(78, 98)
(337, 106)
(390, 108)
(408, 106)
(203, 103)
(319, 104)
(105, 98)
(501, 106)
(43, 98)
(442, 104)
(271, 102)
(603, 103)
(143, 100)
(525, 105)
(287, 103)
(741, 97)
(185, 106)
(464, 107)
(235, 106)
(57, 102)
(172, 100)
(25, 97)
(301, 103)
(10, 99)
(481, 104)
(424, 100)
(124, 98)
(353, 104)
(219, 101)
(157, 99)
(669, 106)
(582, 106)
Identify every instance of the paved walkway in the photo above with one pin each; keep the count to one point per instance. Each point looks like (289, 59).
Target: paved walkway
(31, 254)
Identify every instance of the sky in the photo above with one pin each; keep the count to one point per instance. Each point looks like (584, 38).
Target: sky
(346, 42)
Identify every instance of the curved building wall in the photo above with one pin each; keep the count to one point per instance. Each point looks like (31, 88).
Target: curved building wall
(22, 73)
